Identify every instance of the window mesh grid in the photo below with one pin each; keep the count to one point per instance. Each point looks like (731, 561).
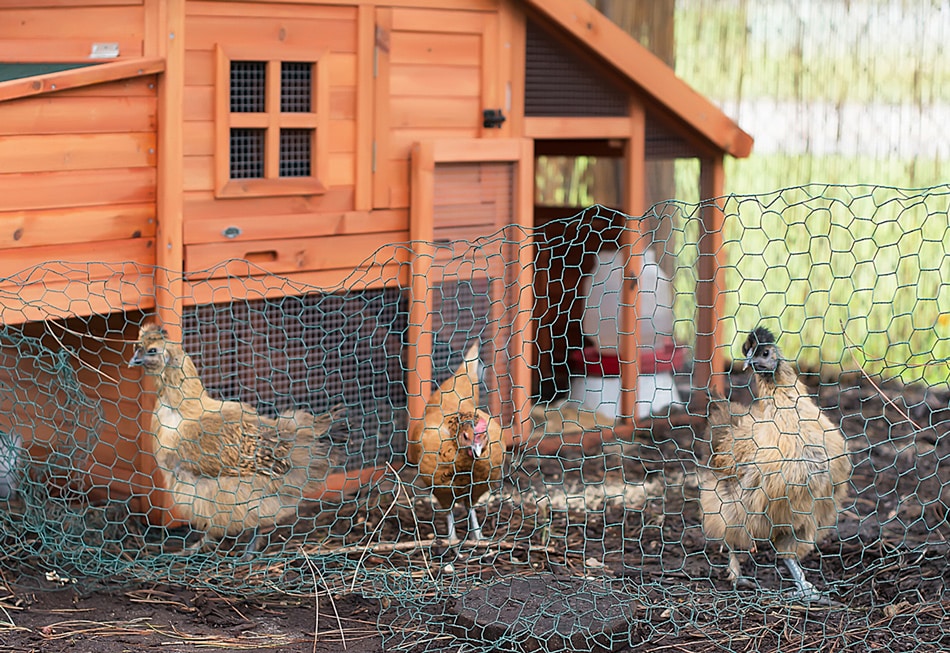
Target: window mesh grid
(557, 83)
(295, 152)
(248, 86)
(247, 153)
(296, 87)
(313, 352)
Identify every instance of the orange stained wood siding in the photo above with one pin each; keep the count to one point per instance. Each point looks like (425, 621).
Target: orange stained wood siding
(314, 239)
(65, 31)
(376, 274)
(288, 255)
(78, 187)
(463, 189)
(437, 71)
(265, 27)
(122, 106)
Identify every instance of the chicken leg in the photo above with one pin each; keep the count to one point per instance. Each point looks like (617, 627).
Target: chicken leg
(474, 528)
(450, 520)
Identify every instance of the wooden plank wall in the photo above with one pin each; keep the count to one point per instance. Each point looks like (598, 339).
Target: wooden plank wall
(78, 184)
(64, 31)
(77, 167)
(316, 239)
(438, 70)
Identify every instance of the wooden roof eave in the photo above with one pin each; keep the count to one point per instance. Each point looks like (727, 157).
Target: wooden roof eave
(77, 77)
(646, 71)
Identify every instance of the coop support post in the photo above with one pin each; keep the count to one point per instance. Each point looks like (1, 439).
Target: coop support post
(632, 244)
(421, 235)
(709, 358)
(165, 23)
(520, 354)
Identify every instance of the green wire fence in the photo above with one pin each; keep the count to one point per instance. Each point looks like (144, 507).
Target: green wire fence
(593, 529)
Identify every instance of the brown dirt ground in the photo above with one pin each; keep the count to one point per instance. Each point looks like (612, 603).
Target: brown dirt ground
(619, 521)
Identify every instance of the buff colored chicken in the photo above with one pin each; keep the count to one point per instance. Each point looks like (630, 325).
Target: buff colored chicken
(457, 447)
(228, 468)
(779, 469)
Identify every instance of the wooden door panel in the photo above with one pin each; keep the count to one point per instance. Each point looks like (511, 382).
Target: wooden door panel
(436, 71)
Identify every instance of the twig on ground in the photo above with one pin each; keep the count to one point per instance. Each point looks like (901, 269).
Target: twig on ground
(314, 570)
(89, 335)
(77, 356)
(887, 400)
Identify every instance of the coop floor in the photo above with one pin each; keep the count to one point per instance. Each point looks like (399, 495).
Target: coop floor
(623, 519)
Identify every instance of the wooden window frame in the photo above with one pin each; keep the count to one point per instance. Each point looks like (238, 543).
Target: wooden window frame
(271, 121)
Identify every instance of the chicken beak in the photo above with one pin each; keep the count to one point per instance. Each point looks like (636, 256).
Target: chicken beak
(137, 360)
(747, 362)
(480, 438)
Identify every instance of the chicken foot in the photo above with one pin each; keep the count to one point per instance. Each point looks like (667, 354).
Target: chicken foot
(253, 546)
(450, 520)
(474, 528)
(806, 591)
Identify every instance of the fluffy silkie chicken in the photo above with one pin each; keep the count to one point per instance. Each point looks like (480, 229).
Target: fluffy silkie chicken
(228, 468)
(457, 447)
(779, 469)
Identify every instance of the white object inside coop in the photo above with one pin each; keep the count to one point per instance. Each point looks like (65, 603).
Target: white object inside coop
(595, 372)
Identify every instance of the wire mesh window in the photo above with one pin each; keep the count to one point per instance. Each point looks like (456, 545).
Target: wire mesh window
(273, 125)
(559, 83)
(295, 152)
(247, 153)
(296, 87)
(248, 86)
(313, 352)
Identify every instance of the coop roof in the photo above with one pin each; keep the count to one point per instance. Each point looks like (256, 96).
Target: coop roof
(24, 80)
(645, 71)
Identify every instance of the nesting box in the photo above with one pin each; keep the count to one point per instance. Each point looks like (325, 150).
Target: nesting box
(174, 156)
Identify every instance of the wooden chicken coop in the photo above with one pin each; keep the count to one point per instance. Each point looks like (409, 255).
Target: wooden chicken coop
(167, 156)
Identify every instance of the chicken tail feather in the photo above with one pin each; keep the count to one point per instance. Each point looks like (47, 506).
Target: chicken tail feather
(459, 392)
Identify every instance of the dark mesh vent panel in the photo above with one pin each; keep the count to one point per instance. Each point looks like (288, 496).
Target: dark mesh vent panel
(247, 153)
(311, 352)
(664, 143)
(296, 87)
(248, 86)
(295, 153)
(558, 83)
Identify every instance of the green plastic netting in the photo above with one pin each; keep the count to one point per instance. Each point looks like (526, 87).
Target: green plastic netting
(594, 537)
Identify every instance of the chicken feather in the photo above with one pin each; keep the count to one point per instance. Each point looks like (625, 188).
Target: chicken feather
(227, 467)
(779, 469)
(457, 447)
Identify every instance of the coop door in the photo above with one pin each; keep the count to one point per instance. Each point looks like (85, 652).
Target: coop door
(472, 265)
(437, 71)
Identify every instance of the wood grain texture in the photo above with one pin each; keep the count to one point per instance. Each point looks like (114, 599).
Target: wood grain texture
(286, 255)
(75, 188)
(86, 224)
(55, 152)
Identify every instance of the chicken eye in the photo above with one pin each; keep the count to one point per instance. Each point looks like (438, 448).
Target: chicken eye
(152, 351)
